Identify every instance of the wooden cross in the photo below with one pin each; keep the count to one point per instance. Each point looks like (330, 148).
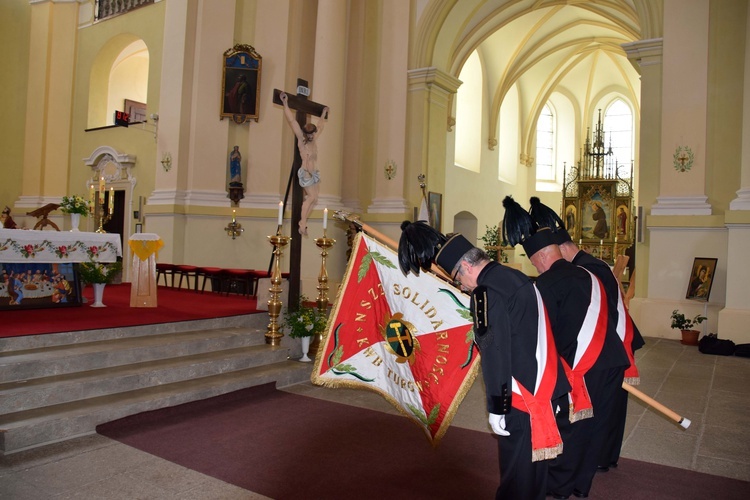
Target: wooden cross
(303, 107)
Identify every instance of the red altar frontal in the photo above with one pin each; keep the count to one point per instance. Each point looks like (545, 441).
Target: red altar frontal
(39, 268)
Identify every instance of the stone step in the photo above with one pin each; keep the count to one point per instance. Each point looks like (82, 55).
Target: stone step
(253, 321)
(32, 428)
(57, 389)
(58, 360)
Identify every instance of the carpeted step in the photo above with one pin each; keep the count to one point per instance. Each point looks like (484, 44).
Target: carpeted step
(58, 389)
(37, 363)
(33, 428)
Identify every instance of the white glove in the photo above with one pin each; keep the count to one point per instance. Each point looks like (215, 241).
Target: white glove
(497, 423)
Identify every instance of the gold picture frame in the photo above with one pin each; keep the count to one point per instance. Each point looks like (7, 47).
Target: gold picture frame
(701, 279)
(240, 85)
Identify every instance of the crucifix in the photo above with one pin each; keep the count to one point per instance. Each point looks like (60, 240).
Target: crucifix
(303, 107)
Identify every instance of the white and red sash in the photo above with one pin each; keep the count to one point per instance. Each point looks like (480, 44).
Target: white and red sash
(589, 346)
(625, 332)
(546, 442)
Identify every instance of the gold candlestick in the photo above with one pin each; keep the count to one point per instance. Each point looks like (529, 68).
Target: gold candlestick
(322, 302)
(273, 335)
(102, 217)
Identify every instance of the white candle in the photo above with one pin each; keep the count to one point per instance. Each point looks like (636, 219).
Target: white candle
(580, 241)
(325, 218)
(281, 212)
(601, 242)
(233, 218)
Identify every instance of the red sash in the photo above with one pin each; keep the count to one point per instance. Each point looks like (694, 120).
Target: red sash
(545, 438)
(589, 346)
(625, 332)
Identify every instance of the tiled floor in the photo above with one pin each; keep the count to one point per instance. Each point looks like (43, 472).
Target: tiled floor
(712, 391)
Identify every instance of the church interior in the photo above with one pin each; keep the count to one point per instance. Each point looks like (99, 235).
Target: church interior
(170, 109)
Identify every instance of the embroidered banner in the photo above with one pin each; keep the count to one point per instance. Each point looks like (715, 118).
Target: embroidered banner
(408, 338)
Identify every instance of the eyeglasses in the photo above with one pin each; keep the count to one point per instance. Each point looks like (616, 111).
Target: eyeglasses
(456, 278)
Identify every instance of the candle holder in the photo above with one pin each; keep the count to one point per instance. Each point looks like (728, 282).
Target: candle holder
(101, 217)
(234, 229)
(273, 335)
(322, 301)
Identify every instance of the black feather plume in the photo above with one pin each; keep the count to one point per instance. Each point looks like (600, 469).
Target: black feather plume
(418, 246)
(517, 223)
(544, 216)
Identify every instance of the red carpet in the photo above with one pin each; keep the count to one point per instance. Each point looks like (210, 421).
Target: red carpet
(288, 446)
(173, 305)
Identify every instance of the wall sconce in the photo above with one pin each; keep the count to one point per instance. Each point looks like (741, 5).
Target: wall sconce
(234, 228)
(166, 162)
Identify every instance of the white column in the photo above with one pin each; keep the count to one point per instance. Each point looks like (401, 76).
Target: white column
(391, 119)
(685, 103)
(327, 88)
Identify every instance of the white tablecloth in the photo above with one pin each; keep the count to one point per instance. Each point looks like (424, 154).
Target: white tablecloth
(18, 245)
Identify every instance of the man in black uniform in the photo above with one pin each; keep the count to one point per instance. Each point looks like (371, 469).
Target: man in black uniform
(521, 370)
(594, 358)
(619, 320)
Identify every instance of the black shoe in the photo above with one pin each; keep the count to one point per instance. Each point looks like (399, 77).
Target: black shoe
(578, 494)
(602, 468)
(557, 496)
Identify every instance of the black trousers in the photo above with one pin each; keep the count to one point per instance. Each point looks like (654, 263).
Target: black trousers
(613, 440)
(520, 478)
(584, 440)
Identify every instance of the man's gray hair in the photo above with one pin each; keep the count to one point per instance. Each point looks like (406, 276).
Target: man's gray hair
(473, 257)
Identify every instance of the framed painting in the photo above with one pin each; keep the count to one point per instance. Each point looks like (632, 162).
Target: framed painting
(622, 219)
(571, 218)
(39, 285)
(435, 204)
(701, 278)
(240, 85)
(596, 212)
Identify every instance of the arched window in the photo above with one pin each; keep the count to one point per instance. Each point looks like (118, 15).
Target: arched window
(469, 115)
(545, 145)
(618, 132)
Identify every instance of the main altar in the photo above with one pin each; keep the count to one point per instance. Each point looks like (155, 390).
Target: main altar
(597, 200)
(38, 268)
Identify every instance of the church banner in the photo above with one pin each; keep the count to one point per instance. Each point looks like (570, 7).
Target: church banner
(408, 338)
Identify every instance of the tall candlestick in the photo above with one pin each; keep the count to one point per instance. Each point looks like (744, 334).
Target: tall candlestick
(281, 212)
(325, 218)
(111, 200)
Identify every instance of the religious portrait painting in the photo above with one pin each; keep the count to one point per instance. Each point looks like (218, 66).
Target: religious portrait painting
(596, 217)
(622, 220)
(570, 218)
(701, 279)
(241, 84)
(435, 205)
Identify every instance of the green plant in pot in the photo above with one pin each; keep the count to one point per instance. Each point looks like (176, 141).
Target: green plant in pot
(687, 326)
(304, 322)
(492, 244)
(98, 272)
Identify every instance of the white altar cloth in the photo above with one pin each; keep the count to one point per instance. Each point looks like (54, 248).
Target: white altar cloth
(19, 245)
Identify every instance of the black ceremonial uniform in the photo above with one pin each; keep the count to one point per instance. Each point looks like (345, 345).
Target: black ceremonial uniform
(505, 310)
(567, 291)
(612, 436)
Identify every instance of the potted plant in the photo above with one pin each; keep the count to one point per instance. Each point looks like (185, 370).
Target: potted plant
(304, 322)
(98, 274)
(687, 326)
(76, 206)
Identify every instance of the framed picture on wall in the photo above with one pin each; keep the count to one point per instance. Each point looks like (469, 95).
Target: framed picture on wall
(435, 205)
(240, 89)
(701, 278)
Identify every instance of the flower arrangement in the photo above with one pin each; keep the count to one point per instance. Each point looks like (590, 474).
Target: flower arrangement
(74, 205)
(96, 272)
(492, 245)
(680, 322)
(304, 321)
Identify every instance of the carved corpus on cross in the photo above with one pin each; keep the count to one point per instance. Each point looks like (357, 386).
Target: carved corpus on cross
(303, 107)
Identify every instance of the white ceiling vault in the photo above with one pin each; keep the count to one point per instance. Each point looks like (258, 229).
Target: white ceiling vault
(541, 47)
